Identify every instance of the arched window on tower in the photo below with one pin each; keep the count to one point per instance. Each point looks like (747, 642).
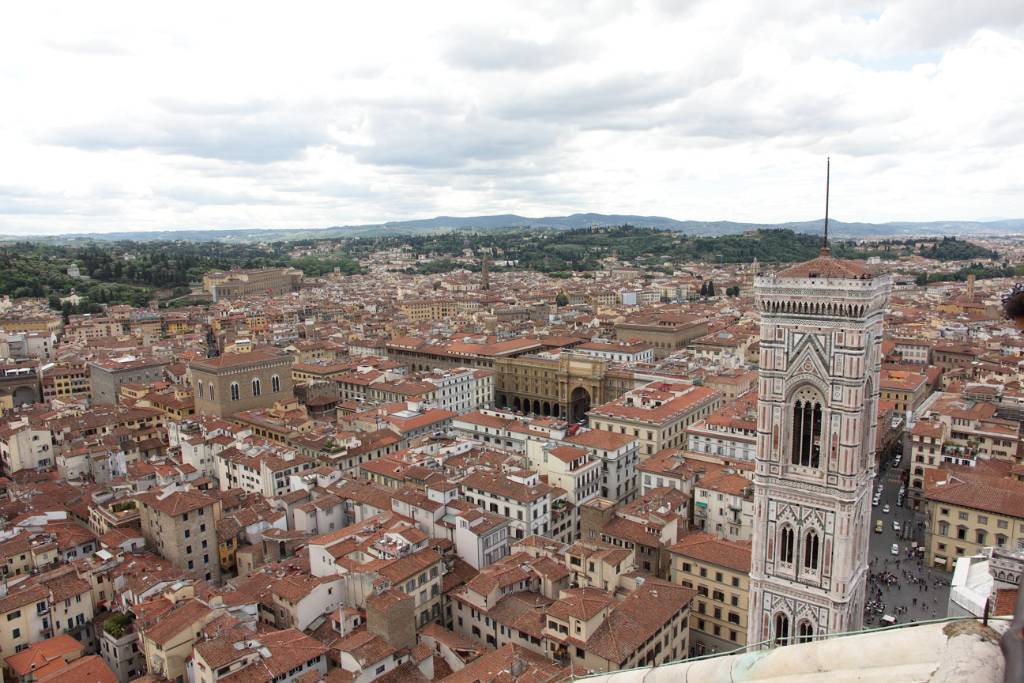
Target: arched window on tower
(275, 383)
(786, 545)
(234, 391)
(805, 449)
(781, 629)
(199, 389)
(256, 386)
(870, 405)
(804, 632)
(811, 550)
(211, 392)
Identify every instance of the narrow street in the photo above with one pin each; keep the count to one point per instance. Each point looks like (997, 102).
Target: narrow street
(914, 595)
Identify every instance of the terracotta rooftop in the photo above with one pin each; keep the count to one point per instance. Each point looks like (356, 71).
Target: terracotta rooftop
(288, 649)
(598, 438)
(828, 267)
(44, 654)
(977, 490)
(495, 666)
(709, 548)
(176, 503)
(91, 669)
(639, 617)
(234, 359)
(580, 603)
(173, 623)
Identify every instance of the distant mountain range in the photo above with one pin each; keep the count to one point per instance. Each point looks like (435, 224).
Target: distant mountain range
(576, 220)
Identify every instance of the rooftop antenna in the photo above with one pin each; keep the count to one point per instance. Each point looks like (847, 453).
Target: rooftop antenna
(824, 237)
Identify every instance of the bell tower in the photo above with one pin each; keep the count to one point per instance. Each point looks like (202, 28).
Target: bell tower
(821, 337)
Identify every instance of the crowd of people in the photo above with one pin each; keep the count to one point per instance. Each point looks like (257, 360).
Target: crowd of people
(891, 577)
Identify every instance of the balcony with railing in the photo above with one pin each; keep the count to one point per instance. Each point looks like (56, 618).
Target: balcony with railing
(960, 454)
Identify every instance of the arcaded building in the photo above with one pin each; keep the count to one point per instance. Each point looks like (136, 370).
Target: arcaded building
(564, 386)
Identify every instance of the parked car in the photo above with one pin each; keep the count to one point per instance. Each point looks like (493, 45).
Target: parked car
(885, 508)
(895, 548)
(895, 526)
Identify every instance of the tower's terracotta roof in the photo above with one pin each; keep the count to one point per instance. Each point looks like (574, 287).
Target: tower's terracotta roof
(827, 266)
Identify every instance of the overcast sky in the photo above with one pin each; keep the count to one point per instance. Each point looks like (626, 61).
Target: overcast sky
(219, 115)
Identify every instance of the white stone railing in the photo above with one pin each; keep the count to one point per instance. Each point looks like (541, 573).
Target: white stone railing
(947, 651)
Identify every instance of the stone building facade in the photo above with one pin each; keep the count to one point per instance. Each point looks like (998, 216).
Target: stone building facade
(666, 334)
(719, 570)
(821, 337)
(107, 376)
(241, 381)
(181, 526)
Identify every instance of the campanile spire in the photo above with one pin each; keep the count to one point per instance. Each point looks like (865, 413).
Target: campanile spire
(824, 237)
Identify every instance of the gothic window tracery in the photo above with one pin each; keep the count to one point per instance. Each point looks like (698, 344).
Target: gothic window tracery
(805, 449)
(811, 550)
(781, 629)
(786, 545)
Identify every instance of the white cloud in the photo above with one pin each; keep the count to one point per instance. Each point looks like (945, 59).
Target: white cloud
(220, 115)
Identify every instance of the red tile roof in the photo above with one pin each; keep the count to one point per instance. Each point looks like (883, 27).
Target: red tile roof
(91, 669)
(495, 667)
(56, 649)
(598, 438)
(829, 267)
(640, 616)
(228, 360)
(977, 490)
(708, 548)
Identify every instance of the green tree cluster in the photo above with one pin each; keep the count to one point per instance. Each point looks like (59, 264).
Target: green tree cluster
(133, 272)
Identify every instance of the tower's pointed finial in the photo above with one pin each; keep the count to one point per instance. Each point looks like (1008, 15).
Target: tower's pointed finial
(824, 237)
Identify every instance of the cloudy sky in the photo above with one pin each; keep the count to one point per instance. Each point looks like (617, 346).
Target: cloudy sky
(217, 115)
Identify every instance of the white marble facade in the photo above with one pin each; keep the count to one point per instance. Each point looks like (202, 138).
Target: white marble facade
(821, 336)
